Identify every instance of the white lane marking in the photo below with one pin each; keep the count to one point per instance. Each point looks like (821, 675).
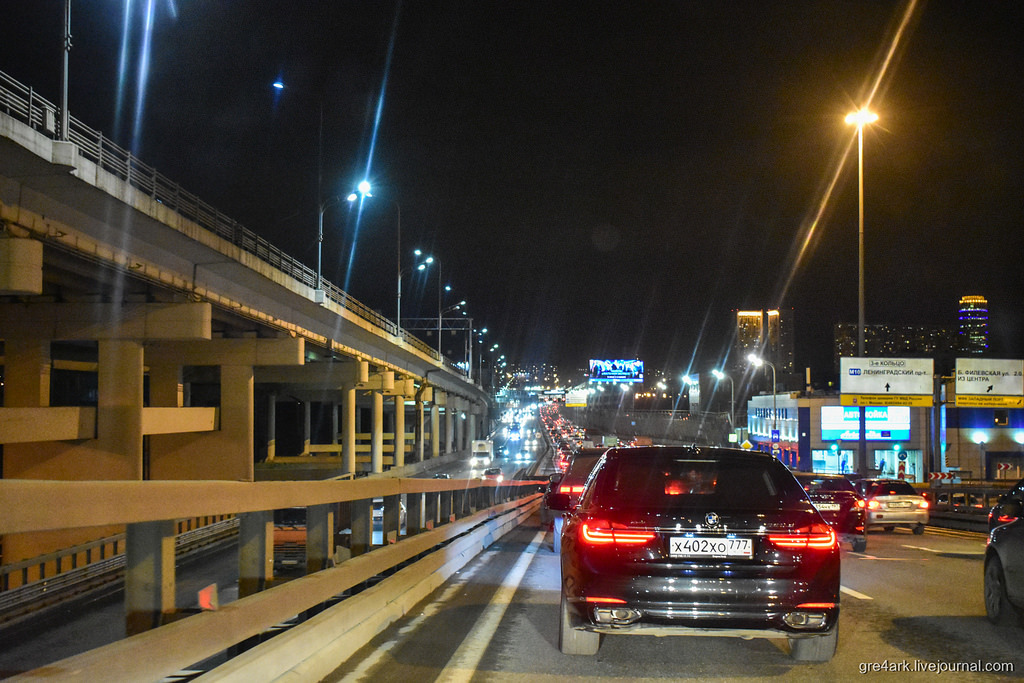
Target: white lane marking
(463, 664)
(921, 547)
(360, 672)
(854, 594)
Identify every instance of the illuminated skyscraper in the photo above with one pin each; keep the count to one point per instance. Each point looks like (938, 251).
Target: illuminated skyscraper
(973, 324)
(768, 334)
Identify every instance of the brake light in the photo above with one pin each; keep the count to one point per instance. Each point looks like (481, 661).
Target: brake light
(923, 504)
(816, 605)
(600, 532)
(607, 601)
(874, 505)
(570, 489)
(817, 537)
(859, 504)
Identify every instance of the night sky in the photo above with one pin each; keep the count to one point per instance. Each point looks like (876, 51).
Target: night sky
(597, 179)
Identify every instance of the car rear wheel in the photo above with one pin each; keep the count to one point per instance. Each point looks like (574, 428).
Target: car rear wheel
(889, 528)
(919, 529)
(860, 545)
(816, 648)
(997, 606)
(572, 641)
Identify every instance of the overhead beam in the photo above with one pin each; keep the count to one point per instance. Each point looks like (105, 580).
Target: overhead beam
(80, 321)
(252, 352)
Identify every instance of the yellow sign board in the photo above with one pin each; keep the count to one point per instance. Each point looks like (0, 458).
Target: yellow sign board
(987, 401)
(912, 400)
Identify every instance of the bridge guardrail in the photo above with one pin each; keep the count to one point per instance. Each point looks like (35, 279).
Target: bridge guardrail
(24, 104)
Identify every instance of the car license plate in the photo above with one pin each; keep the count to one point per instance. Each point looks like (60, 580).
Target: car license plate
(686, 546)
(827, 506)
(898, 505)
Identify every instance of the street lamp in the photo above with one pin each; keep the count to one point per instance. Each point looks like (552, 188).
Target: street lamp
(364, 189)
(719, 375)
(757, 362)
(860, 119)
(324, 205)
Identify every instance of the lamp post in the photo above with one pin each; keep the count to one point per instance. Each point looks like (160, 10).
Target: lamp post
(442, 311)
(324, 205)
(860, 119)
(757, 362)
(719, 375)
(364, 190)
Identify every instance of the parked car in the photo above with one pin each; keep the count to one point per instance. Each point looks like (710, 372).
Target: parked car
(677, 540)
(893, 502)
(840, 503)
(1004, 559)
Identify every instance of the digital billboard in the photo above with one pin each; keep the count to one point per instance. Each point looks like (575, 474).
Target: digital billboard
(890, 423)
(617, 371)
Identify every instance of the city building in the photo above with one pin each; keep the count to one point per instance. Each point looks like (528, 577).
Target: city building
(769, 334)
(973, 325)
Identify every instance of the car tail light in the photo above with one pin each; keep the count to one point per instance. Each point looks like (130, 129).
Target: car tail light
(607, 601)
(860, 504)
(1005, 519)
(818, 537)
(570, 489)
(816, 605)
(600, 532)
(874, 505)
(923, 504)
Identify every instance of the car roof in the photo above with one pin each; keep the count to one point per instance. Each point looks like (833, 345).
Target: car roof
(689, 451)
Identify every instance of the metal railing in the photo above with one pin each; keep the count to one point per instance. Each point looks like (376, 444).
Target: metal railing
(23, 103)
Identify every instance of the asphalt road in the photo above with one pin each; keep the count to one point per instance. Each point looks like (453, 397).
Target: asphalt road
(909, 601)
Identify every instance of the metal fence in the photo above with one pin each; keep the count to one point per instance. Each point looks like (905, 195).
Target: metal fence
(23, 103)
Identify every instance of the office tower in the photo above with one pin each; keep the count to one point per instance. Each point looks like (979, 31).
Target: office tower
(973, 324)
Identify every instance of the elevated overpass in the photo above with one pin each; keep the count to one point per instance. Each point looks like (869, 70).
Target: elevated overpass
(147, 337)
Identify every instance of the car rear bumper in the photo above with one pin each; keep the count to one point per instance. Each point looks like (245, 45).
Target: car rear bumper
(887, 517)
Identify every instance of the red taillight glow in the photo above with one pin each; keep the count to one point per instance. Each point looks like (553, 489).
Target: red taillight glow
(570, 489)
(1006, 519)
(874, 505)
(817, 537)
(607, 601)
(816, 605)
(859, 504)
(923, 504)
(599, 532)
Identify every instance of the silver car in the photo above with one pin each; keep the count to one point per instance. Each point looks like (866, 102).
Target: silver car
(893, 502)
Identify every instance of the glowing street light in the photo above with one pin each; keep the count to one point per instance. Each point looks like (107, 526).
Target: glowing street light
(719, 375)
(860, 119)
(757, 362)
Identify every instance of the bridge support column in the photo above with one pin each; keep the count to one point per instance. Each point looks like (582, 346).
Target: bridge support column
(307, 408)
(362, 526)
(255, 551)
(149, 575)
(419, 427)
(415, 513)
(399, 440)
(435, 431)
(348, 427)
(471, 424)
(377, 433)
(319, 537)
(271, 427)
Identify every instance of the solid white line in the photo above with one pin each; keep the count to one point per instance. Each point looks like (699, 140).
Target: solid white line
(921, 547)
(854, 594)
(464, 662)
(361, 671)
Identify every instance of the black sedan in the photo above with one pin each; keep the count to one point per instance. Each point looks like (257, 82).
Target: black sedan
(679, 540)
(1004, 559)
(840, 504)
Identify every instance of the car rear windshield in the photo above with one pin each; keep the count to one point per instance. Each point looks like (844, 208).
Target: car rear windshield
(893, 488)
(813, 484)
(581, 465)
(674, 482)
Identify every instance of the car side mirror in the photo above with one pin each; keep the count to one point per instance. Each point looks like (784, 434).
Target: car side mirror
(559, 502)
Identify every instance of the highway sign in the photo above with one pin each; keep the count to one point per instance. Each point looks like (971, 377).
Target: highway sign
(886, 381)
(989, 383)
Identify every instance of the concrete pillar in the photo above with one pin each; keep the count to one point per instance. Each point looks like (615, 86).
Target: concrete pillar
(319, 537)
(348, 427)
(119, 409)
(399, 431)
(435, 431)
(255, 551)
(471, 421)
(26, 373)
(460, 426)
(419, 427)
(377, 433)
(271, 427)
(307, 407)
(415, 509)
(334, 423)
(362, 526)
(449, 424)
(149, 575)
(165, 387)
